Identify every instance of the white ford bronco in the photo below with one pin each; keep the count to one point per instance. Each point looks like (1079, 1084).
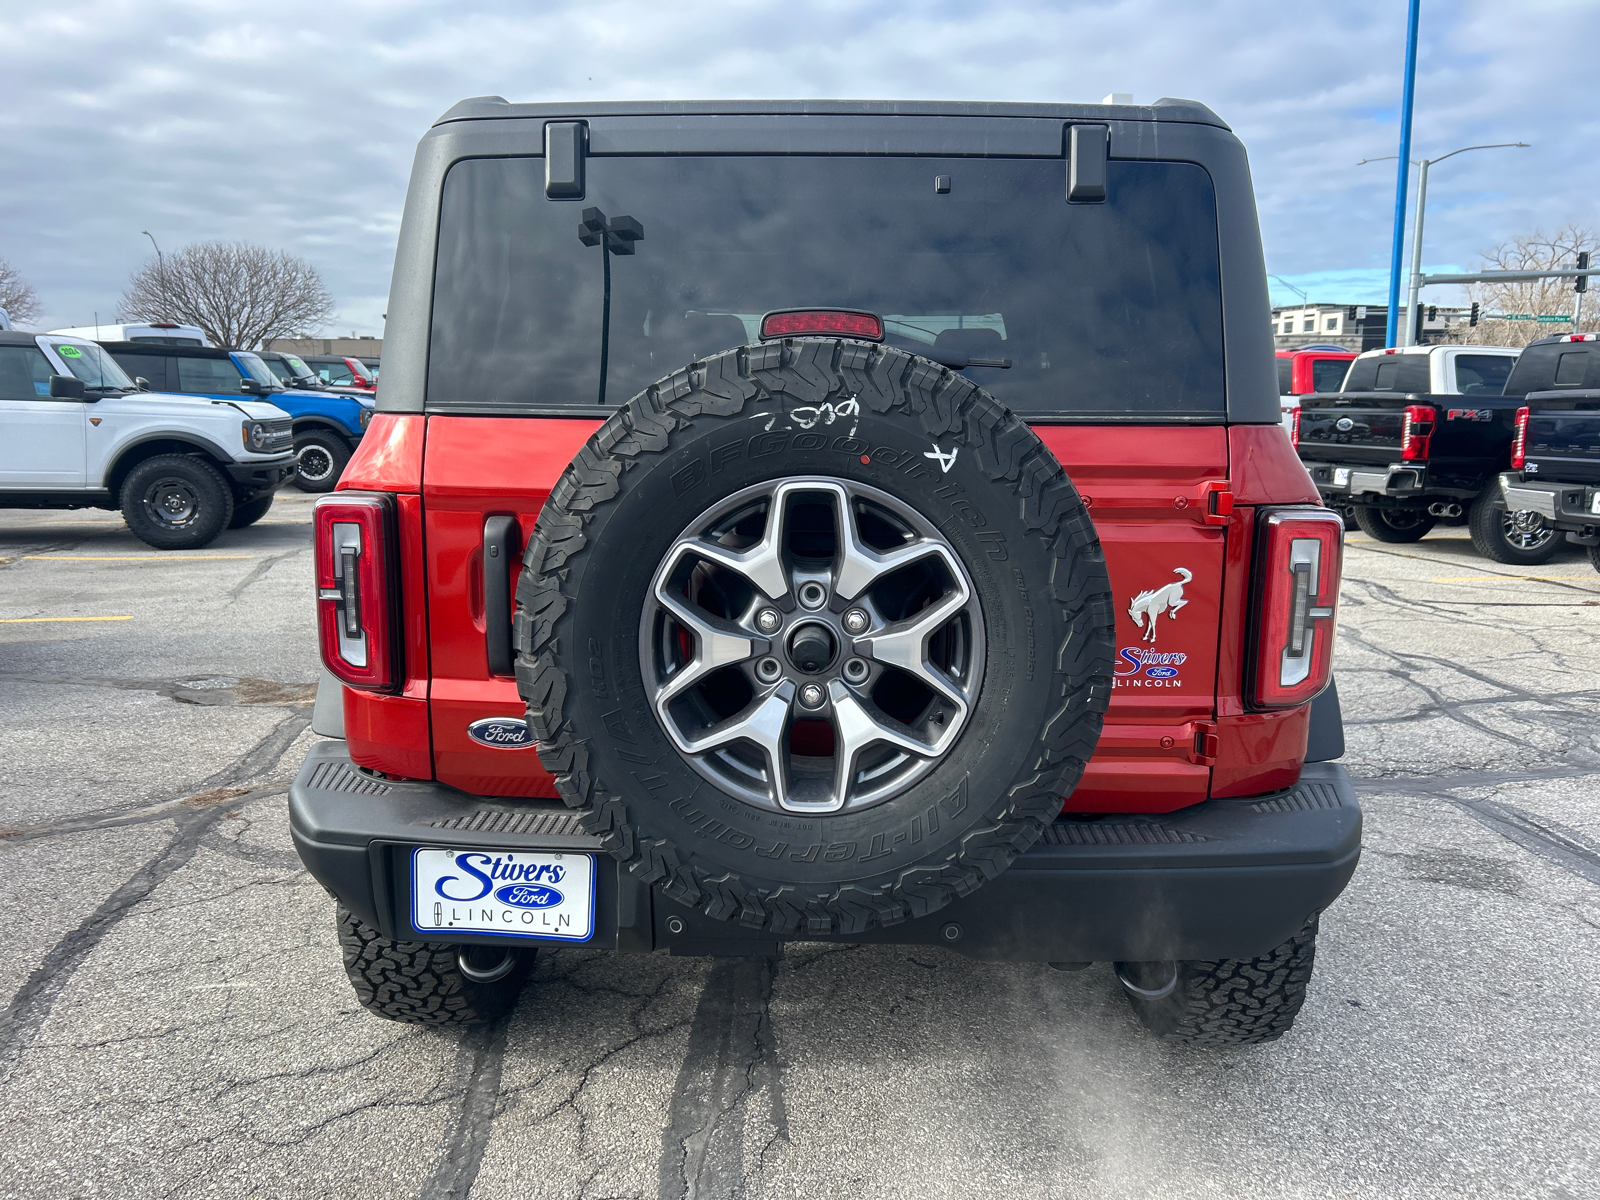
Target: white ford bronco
(76, 432)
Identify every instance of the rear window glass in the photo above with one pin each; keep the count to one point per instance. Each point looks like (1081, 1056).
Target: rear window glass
(1569, 368)
(1286, 377)
(1388, 373)
(1327, 374)
(1110, 308)
(1483, 374)
(201, 375)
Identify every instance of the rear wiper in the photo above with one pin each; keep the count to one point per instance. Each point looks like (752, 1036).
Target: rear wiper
(957, 362)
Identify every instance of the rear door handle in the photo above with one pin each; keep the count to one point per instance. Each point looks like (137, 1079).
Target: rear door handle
(502, 547)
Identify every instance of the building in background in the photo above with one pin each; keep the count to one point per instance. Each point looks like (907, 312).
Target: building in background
(1359, 327)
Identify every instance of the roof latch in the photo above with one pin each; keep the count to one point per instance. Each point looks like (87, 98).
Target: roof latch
(566, 145)
(1087, 147)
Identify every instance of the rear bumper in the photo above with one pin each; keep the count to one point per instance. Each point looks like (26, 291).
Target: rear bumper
(1571, 506)
(1348, 483)
(1223, 879)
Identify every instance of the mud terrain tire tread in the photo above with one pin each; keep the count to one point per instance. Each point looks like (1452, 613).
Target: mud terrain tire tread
(1235, 1002)
(882, 379)
(419, 983)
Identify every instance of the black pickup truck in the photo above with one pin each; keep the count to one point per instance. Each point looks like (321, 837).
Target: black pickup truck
(1555, 454)
(1406, 458)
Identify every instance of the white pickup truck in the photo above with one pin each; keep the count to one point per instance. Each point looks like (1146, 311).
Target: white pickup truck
(76, 432)
(1434, 370)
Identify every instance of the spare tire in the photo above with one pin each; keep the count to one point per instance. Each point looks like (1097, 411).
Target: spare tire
(816, 634)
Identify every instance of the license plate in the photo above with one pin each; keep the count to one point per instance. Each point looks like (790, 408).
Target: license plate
(512, 893)
(1341, 477)
(1594, 503)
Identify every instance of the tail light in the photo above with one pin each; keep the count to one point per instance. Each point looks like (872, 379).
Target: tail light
(1294, 425)
(356, 589)
(1415, 431)
(1299, 551)
(1519, 443)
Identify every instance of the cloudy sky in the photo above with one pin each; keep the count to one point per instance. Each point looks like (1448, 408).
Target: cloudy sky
(292, 124)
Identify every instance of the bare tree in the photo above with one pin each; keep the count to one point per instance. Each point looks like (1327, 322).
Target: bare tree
(1534, 251)
(240, 294)
(16, 295)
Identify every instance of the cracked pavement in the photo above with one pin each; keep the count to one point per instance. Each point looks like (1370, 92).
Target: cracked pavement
(178, 1023)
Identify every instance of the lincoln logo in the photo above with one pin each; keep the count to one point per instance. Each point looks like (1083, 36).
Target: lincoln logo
(503, 733)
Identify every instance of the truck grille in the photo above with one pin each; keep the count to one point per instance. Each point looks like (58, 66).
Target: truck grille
(280, 435)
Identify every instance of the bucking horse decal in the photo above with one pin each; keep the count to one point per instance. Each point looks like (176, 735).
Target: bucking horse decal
(1153, 603)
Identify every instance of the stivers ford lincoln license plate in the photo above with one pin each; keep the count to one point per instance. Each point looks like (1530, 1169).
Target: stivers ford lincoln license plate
(513, 893)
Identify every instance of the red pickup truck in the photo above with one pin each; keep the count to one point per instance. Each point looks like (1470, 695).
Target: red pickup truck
(858, 522)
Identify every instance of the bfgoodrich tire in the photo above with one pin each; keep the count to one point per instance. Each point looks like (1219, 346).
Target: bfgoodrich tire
(1522, 539)
(419, 983)
(1224, 1002)
(816, 634)
(176, 502)
(1398, 525)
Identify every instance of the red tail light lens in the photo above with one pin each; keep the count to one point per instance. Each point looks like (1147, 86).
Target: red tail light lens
(1294, 425)
(1299, 552)
(832, 322)
(1519, 444)
(1415, 431)
(356, 589)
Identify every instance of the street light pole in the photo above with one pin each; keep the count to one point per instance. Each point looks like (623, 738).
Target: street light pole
(1414, 326)
(161, 271)
(1304, 299)
(1408, 93)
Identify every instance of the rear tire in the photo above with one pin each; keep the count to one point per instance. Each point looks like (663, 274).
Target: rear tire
(420, 983)
(1594, 556)
(319, 460)
(1395, 525)
(1523, 539)
(176, 502)
(1226, 1002)
(250, 512)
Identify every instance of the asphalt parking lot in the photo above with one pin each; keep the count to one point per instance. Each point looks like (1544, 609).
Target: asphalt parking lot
(179, 1023)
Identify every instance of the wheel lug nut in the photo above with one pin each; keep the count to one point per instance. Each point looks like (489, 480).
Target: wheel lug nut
(856, 621)
(768, 670)
(813, 594)
(768, 620)
(812, 695)
(855, 670)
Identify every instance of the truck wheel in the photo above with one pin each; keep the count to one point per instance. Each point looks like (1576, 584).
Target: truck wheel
(1594, 556)
(250, 512)
(1519, 538)
(1224, 1002)
(816, 634)
(319, 460)
(1392, 524)
(176, 502)
(420, 983)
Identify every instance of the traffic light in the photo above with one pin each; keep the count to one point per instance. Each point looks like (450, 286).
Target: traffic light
(1581, 283)
(1433, 313)
(1351, 312)
(1473, 321)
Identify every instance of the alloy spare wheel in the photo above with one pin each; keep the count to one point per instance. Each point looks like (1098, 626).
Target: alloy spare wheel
(816, 634)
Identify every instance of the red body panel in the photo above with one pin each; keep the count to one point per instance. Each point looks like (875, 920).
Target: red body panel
(479, 467)
(1300, 378)
(1162, 498)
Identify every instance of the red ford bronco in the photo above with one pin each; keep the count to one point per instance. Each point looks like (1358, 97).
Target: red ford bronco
(854, 522)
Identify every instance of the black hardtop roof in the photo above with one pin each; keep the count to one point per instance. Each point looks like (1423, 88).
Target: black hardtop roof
(498, 108)
(16, 337)
(156, 350)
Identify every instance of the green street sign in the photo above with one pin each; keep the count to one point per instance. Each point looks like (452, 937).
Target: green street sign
(1541, 318)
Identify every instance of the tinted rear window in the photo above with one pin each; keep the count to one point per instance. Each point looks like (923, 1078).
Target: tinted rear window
(1327, 374)
(1110, 308)
(1286, 377)
(1483, 374)
(1388, 373)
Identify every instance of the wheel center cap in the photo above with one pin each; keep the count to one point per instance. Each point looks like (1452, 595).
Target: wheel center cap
(811, 647)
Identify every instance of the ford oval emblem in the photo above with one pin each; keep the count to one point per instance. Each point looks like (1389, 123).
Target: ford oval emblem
(1161, 672)
(1344, 424)
(503, 733)
(528, 895)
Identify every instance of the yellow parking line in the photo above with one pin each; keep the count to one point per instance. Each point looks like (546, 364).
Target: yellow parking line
(129, 558)
(1482, 578)
(38, 620)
